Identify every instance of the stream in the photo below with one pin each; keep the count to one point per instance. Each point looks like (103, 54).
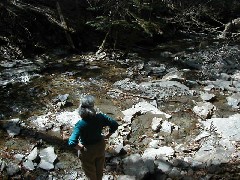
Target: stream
(52, 84)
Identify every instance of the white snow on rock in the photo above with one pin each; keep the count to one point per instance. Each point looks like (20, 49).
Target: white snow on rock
(204, 109)
(227, 127)
(33, 154)
(48, 157)
(48, 154)
(141, 107)
(68, 118)
(152, 153)
(156, 123)
(214, 151)
(234, 100)
(218, 146)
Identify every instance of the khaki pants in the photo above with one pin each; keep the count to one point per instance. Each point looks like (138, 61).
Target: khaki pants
(93, 159)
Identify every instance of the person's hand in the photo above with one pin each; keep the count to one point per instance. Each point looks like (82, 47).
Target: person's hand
(106, 137)
(79, 146)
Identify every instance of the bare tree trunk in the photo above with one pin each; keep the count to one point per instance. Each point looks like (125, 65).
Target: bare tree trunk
(69, 39)
(101, 48)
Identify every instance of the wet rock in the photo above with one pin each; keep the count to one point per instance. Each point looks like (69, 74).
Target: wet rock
(61, 100)
(180, 163)
(13, 127)
(163, 165)
(116, 163)
(133, 165)
(214, 169)
(157, 71)
(204, 109)
(174, 75)
(234, 100)
(161, 176)
(175, 173)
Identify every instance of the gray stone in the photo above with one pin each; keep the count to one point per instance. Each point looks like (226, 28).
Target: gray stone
(214, 151)
(141, 107)
(44, 164)
(107, 177)
(48, 154)
(133, 165)
(12, 169)
(163, 165)
(19, 157)
(207, 96)
(167, 127)
(156, 123)
(33, 154)
(28, 164)
(126, 177)
(173, 75)
(3, 165)
(203, 134)
(234, 100)
(204, 109)
(152, 153)
(71, 175)
(175, 173)
(154, 143)
(48, 157)
(227, 127)
(13, 127)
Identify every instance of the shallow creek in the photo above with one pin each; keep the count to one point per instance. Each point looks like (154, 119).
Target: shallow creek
(75, 75)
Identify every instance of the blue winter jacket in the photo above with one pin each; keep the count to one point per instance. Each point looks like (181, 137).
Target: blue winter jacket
(90, 131)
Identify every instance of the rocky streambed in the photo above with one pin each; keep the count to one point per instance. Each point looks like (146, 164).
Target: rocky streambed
(179, 119)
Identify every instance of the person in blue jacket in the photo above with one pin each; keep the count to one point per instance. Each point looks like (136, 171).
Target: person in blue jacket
(87, 137)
